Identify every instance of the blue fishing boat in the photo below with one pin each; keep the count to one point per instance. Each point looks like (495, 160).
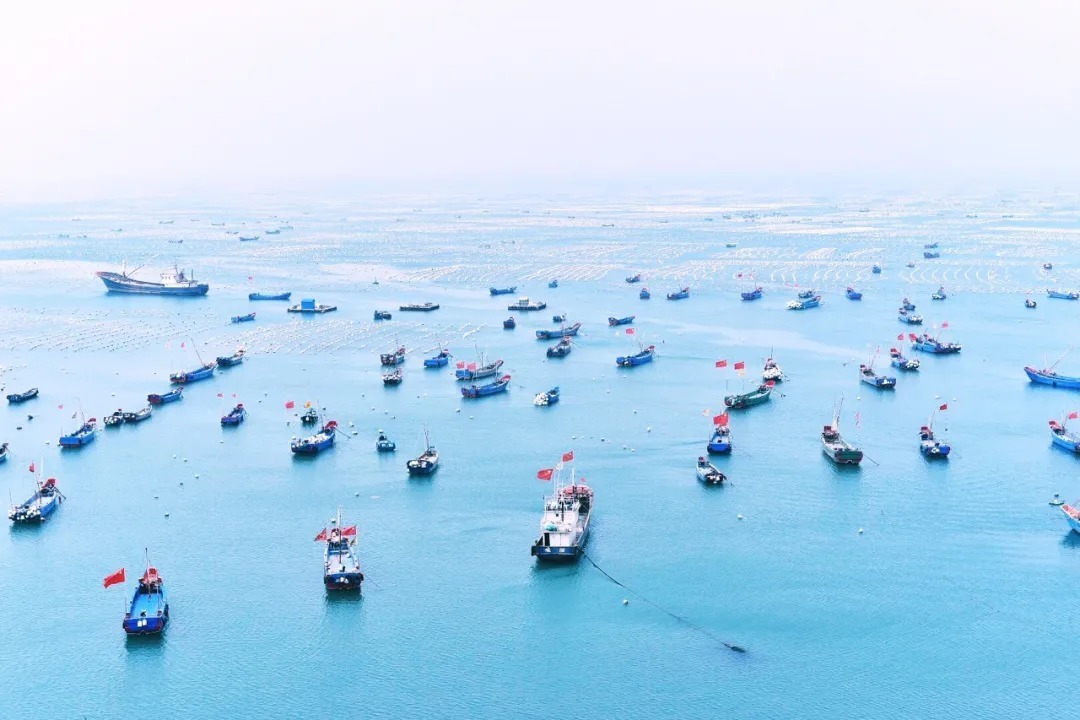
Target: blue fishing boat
(201, 373)
(524, 304)
(709, 473)
(1063, 294)
(720, 442)
(264, 296)
(476, 371)
(427, 462)
(644, 294)
(341, 566)
(900, 362)
(908, 317)
(634, 278)
(754, 294)
(316, 443)
(250, 317)
(231, 360)
(930, 446)
(876, 269)
(16, 398)
(939, 295)
(553, 284)
(926, 343)
(83, 436)
(438, 361)
(558, 318)
(1047, 376)
(503, 291)
(805, 294)
(163, 398)
(149, 610)
(871, 378)
(565, 332)
(3, 453)
(628, 320)
(679, 294)
(479, 391)
(807, 304)
(384, 444)
(235, 416)
(40, 506)
(852, 293)
(548, 397)
(645, 355)
(1072, 516)
(248, 238)
(174, 283)
(509, 323)
(1063, 438)
(396, 357)
(308, 306)
(382, 315)
(930, 255)
(562, 349)
(930, 246)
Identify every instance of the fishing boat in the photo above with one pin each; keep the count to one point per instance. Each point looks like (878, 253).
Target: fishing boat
(634, 279)
(772, 372)
(558, 318)
(548, 397)
(928, 255)
(852, 293)
(805, 304)
(438, 361)
(1048, 266)
(139, 415)
(503, 291)
(871, 378)
(907, 305)
(267, 296)
(477, 371)
(149, 610)
(190, 376)
(746, 400)
(231, 360)
(16, 398)
(83, 436)
(341, 566)
(3, 453)
(926, 343)
(250, 317)
(524, 304)
(316, 443)
(564, 527)
(391, 359)
(876, 269)
(393, 378)
(561, 349)
(644, 294)
(908, 317)
(427, 462)
(901, 362)
(115, 419)
(1047, 376)
(910, 264)
(419, 307)
(492, 388)
(310, 416)
(163, 398)
(930, 446)
(384, 444)
(235, 416)
(553, 284)
(1072, 516)
(563, 332)
(1063, 294)
(835, 447)
(37, 509)
(939, 295)
(248, 238)
(382, 315)
(720, 441)
(1029, 303)
(509, 323)
(805, 294)
(754, 294)
(709, 473)
(930, 246)
(308, 306)
(644, 355)
(274, 232)
(679, 294)
(1063, 438)
(628, 320)
(174, 283)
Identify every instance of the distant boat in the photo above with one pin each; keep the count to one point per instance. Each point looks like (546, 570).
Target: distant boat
(564, 527)
(309, 417)
(835, 447)
(16, 398)
(909, 318)
(926, 343)
(930, 446)
(644, 294)
(772, 372)
(1063, 294)
(476, 371)
(148, 613)
(235, 416)
(341, 566)
(139, 415)
(564, 332)
(1048, 266)
(876, 269)
(438, 361)
(930, 246)
(871, 378)
(939, 295)
(548, 397)
(3, 453)
(37, 509)
(805, 304)
(558, 318)
(853, 294)
(163, 398)
(384, 444)
(263, 296)
(907, 305)
(189, 376)
(493, 388)
(243, 318)
(525, 305)
(83, 436)
(427, 462)
(634, 278)
(316, 443)
(754, 294)
(561, 349)
(643, 356)
(1048, 376)
(931, 255)
(1029, 303)
(115, 419)
(509, 323)
(613, 321)
(720, 441)
(1063, 438)
(273, 232)
(709, 473)
(503, 291)
(382, 315)
(172, 283)
(248, 238)
(393, 378)
(395, 357)
(750, 399)
(901, 362)
(231, 360)
(553, 284)
(419, 307)
(910, 264)
(805, 294)
(679, 294)
(309, 306)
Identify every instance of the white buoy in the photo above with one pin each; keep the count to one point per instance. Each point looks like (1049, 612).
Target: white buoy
(155, 497)
(185, 459)
(196, 476)
(648, 429)
(740, 516)
(356, 494)
(625, 601)
(860, 531)
(166, 514)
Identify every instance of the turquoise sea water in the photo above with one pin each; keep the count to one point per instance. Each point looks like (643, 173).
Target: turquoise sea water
(957, 599)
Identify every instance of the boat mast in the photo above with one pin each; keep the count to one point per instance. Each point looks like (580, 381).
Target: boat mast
(1067, 351)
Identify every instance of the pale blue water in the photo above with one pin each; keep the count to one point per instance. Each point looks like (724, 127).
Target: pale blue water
(958, 600)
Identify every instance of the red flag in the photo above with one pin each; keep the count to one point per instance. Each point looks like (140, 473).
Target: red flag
(321, 537)
(629, 331)
(349, 531)
(461, 366)
(568, 456)
(32, 468)
(944, 324)
(900, 337)
(912, 337)
(720, 419)
(59, 407)
(220, 395)
(183, 345)
(471, 366)
(290, 405)
(116, 578)
(944, 407)
(740, 365)
(1073, 415)
(545, 474)
(721, 363)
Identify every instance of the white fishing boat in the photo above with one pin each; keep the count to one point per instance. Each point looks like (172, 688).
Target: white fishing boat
(564, 527)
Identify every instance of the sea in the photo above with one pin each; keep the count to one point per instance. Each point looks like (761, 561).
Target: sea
(904, 588)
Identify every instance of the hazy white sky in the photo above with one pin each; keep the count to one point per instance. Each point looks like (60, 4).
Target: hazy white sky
(100, 98)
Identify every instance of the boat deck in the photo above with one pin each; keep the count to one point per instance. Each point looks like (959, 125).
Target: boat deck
(147, 605)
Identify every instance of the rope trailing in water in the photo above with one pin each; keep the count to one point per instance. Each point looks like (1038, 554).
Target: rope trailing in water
(729, 646)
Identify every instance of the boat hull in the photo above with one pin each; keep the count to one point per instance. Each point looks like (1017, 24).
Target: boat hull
(343, 581)
(116, 283)
(1052, 379)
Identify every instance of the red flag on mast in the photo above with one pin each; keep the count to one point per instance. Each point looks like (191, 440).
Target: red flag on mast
(545, 474)
(289, 405)
(944, 407)
(32, 469)
(721, 363)
(321, 537)
(349, 531)
(629, 331)
(720, 419)
(568, 456)
(740, 365)
(1073, 415)
(116, 578)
